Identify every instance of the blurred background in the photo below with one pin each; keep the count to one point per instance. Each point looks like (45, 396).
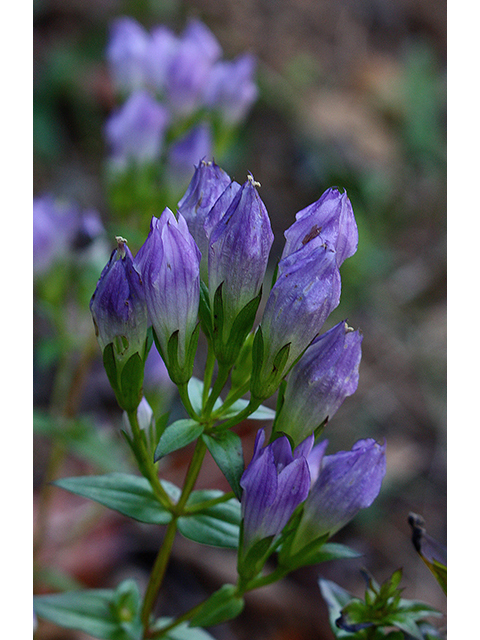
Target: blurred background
(350, 94)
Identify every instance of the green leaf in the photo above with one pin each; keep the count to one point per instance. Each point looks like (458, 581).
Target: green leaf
(226, 450)
(128, 494)
(178, 435)
(195, 393)
(223, 605)
(95, 611)
(217, 525)
(336, 598)
(182, 632)
(334, 551)
(262, 413)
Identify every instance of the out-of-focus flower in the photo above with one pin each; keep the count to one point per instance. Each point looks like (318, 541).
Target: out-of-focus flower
(274, 484)
(127, 53)
(169, 263)
(209, 181)
(162, 46)
(305, 293)
(188, 68)
(118, 305)
(136, 130)
(239, 247)
(320, 381)
(59, 228)
(342, 484)
(330, 218)
(231, 89)
(186, 153)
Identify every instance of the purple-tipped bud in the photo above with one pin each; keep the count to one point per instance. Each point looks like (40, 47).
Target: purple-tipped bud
(169, 263)
(342, 484)
(135, 132)
(320, 381)
(126, 54)
(238, 252)
(330, 218)
(208, 183)
(274, 484)
(118, 306)
(231, 88)
(186, 153)
(306, 292)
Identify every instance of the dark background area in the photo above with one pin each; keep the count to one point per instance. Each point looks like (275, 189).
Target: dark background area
(352, 94)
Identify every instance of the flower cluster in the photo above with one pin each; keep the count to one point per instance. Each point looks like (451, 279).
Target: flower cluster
(205, 267)
(175, 88)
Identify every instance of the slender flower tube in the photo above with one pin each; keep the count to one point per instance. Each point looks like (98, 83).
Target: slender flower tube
(135, 131)
(274, 484)
(342, 484)
(238, 252)
(330, 218)
(305, 293)
(126, 54)
(169, 263)
(207, 184)
(231, 89)
(320, 381)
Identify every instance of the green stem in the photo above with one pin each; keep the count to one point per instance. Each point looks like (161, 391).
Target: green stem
(161, 562)
(207, 378)
(231, 399)
(145, 462)
(185, 398)
(234, 420)
(158, 573)
(201, 506)
(222, 378)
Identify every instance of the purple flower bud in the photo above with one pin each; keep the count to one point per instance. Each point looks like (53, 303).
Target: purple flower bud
(208, 183)
(199, 34)
(274, 484)
(186, 153)
(231, 88)
(118, 306)
(342, 484)
(126, 54)
(169, 263)
(135, 131)
(144, 416)
(305, 293)
(162, 46)
(185, 78)
(320, 381)
(238, 251)
(330, 218)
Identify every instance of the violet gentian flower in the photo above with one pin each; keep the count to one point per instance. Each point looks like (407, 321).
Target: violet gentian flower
(274, 484)
(126, 54)
(320, 381)
(342, 484)
(330, 218)
(209, 181)
(231, 89)
(238, 252)
(135, 132)
(169, 263)
(186, 153)
(118, 305)
(306, 292)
